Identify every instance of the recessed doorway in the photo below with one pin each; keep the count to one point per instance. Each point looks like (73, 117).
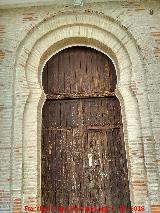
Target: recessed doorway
(83, 151)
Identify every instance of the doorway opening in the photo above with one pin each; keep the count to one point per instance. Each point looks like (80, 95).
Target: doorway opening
(83, 159)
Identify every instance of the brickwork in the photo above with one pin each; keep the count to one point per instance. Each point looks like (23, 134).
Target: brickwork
(155, 208)
(126, 32)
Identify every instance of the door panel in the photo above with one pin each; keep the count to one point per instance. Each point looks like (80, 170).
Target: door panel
(83, 152)
(79, 71)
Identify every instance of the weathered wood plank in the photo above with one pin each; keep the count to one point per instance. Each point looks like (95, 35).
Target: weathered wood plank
(83, 152)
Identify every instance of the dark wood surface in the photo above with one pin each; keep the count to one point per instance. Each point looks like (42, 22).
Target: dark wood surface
(83, 152)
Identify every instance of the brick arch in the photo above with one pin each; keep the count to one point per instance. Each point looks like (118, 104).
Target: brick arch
(45, 40)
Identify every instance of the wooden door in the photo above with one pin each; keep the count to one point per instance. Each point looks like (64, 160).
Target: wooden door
(83, 152)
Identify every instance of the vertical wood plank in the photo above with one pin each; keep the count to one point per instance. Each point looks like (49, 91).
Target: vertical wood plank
(83, 152)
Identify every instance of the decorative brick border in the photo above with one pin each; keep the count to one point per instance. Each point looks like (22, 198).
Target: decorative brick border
(108, 36)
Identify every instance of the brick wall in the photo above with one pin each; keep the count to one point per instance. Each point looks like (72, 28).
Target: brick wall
(16, 24)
